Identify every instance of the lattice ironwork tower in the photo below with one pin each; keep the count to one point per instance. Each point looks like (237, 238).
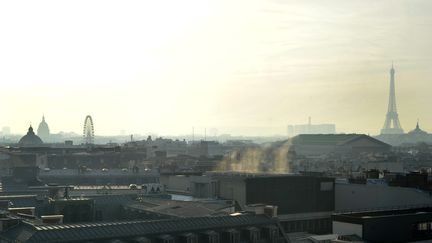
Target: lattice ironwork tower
(392, 124)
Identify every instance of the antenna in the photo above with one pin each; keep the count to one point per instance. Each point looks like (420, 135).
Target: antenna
(205, 134)
(193, 134)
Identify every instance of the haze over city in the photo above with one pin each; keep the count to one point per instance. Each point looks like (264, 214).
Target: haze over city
(215, 121)
(243, 67)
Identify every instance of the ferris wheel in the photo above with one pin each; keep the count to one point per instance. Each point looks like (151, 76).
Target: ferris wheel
(88, 131)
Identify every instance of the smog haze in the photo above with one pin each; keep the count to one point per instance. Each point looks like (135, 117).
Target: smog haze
(242, 67)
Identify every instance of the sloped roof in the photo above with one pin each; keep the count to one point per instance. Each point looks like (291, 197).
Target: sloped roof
(368, 138)
(330, 139)
(26, 232)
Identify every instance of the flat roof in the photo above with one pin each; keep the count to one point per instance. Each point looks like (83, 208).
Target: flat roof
(357, 217)
(249, 174)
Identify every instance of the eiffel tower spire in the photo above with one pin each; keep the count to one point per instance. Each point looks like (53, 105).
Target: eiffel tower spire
(392, 124)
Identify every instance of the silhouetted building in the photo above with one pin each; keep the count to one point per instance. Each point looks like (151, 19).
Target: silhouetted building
(321, 144)
(206, 149)
(392, 124)
(415, 136)
(417, 131)
(30, 139)
(43, 130)
(294, 130)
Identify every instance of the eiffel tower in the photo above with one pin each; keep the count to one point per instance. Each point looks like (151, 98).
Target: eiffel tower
(392, 124)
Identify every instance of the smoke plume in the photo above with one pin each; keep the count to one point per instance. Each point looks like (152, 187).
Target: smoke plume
(264, 158)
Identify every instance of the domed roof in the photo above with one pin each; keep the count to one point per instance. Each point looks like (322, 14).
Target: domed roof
(43, 129)
(417, 131)
(30, 138)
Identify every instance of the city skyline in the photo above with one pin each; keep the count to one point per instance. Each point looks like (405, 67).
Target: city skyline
(206, 67)
(215, 121)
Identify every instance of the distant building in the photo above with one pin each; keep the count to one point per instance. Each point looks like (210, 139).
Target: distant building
(30, 139)
(206, 149)
(43, 130)
(321, 144)
(294, 130)
(417, 131)
(392, 124)
(6, 131)
(415, 136)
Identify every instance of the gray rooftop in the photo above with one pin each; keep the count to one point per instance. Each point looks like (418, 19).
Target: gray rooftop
(181, 208)
(27, 232)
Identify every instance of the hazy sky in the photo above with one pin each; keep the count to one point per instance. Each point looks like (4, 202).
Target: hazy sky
(242, 66)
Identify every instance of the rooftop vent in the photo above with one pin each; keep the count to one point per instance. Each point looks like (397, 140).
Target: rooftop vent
(23, 210)
(52, 219)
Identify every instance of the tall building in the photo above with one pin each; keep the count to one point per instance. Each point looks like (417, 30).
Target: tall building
(392, 124)
(294, 130)
(415, 136)
(43, 130)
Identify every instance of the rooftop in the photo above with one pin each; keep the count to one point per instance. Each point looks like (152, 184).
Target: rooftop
(28, 232)
(181, 208)
(383, 213)
(249, 174)
(358, 217)
(330, 139)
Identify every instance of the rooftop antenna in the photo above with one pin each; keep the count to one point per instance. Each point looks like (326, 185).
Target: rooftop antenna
(205, 134)
(193, 134)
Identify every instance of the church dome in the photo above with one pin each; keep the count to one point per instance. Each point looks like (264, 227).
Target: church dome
(30, 138)
(43, 129)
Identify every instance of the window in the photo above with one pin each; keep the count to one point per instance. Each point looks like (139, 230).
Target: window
(422, 226)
